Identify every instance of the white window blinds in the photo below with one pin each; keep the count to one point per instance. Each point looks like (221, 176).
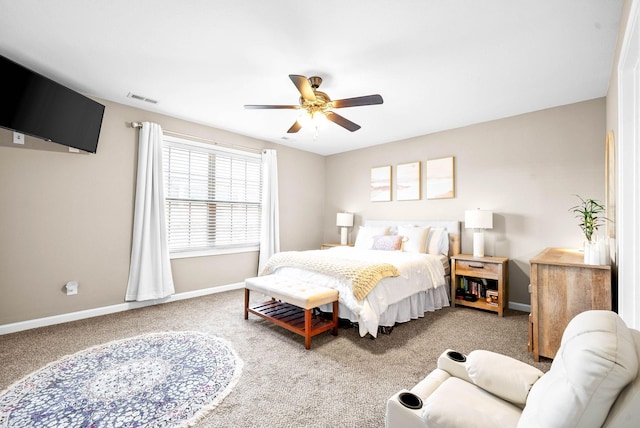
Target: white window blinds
(212, 196)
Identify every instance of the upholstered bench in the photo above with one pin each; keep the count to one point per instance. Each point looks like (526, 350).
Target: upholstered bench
(291, 305)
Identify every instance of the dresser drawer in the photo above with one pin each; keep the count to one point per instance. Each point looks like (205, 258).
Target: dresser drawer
(477, 267)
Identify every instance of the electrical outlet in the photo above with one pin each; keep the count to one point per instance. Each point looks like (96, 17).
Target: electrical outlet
(72, 288)
(18, 138)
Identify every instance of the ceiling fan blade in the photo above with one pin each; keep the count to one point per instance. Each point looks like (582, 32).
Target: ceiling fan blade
(358, 101)
(251, 106)
(304, 87)
(294, 128)
(342, 121)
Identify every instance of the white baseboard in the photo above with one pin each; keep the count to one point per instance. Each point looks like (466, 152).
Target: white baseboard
(105, 310)
(519, 306)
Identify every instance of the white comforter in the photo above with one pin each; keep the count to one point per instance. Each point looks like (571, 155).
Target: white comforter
(418, 272)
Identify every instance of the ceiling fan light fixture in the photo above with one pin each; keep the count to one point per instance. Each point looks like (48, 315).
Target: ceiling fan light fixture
(304, 119)
(317, 107)
(312, 118)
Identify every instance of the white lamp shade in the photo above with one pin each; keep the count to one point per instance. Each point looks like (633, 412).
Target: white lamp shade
(478, 219)
(344, 219)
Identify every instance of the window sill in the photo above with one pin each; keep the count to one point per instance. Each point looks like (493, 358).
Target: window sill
(216, 252)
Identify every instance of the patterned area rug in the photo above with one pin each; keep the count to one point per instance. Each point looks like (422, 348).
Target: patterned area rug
(167, 379)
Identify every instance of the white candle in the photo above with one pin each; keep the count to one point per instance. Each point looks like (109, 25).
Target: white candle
(602, 249)
(595, 254)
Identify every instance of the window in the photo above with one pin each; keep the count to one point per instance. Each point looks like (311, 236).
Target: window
(213, 198)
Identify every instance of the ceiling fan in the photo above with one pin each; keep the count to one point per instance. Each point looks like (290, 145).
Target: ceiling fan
(317, 102)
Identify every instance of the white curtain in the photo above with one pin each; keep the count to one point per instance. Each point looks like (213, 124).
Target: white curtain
(150, 269)
(270, 226)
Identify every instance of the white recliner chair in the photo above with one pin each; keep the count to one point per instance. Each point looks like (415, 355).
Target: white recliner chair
(593, 382)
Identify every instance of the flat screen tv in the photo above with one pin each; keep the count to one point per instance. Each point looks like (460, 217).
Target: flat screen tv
(35, 105)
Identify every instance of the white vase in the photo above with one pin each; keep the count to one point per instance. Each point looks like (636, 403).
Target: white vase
(591, 253)
(597, 252)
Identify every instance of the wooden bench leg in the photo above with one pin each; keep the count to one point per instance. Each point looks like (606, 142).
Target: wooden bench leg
(246, 303)
(293, 318)
(335, 318)
(307, 328)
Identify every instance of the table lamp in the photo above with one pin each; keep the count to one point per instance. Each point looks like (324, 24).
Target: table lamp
(345, 221)
(478, 219)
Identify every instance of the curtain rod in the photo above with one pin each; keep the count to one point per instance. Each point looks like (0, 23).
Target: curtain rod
(180, 134)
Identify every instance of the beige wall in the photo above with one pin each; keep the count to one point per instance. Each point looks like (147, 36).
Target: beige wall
(68, 216)
(526, 169)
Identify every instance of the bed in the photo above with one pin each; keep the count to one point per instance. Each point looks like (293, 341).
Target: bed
(421, 280)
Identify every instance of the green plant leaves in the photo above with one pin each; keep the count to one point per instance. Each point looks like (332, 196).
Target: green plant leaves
(589, 213)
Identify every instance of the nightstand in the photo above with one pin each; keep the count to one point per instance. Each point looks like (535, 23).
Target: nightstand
(328, 245)
(479, 282)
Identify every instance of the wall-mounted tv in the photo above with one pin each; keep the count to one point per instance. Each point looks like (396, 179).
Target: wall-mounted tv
(35, 105)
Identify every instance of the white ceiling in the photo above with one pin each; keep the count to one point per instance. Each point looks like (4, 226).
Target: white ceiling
(438, 64)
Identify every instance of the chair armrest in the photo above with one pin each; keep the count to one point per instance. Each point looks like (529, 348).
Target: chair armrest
(501, 375)
(400, 416)
(429, 384)
(498, 374)
(454, 368)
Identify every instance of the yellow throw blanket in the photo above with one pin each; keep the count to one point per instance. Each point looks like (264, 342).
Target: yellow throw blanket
(364, 276)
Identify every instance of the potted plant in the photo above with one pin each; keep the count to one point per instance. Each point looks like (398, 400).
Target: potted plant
(590, 214)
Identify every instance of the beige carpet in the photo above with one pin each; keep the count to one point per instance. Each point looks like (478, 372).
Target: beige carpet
(341, 381)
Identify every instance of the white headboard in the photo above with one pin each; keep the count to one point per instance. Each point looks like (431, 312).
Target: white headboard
(452, 226)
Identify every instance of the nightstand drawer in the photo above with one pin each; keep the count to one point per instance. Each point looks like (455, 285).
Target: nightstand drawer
(477, 267)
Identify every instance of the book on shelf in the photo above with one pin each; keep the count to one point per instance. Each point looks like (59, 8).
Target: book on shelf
(492, 297)
(478, 287)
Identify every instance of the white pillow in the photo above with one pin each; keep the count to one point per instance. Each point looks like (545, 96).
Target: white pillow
(415, 238)
(438, 241)
(364, 239)
(387, 242)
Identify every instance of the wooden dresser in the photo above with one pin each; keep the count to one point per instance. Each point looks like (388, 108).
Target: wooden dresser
(562, 286)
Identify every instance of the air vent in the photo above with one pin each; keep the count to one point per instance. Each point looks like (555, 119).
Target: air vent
(141, 98)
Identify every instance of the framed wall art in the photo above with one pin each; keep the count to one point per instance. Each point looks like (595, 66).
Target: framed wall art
(408, 181)
(610, 184)
(381, 184)
(440, 178)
